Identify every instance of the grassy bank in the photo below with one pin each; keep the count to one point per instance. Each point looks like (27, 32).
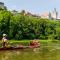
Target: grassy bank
(27, 42)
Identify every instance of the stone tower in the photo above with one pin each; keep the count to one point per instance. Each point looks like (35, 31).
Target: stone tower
(2, 5)
(55, 14)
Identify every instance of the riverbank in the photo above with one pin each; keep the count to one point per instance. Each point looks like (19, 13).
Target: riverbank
(27, 42)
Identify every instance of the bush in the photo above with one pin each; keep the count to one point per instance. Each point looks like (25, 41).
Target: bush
(22, 26)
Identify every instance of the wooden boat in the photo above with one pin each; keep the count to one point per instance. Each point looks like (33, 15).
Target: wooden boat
(16, 48)
(13, 48)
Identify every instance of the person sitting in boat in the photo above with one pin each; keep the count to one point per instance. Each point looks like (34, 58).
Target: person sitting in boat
(4, 40)
(35, 43)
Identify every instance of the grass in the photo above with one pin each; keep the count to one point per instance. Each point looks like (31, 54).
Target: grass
(26, 42)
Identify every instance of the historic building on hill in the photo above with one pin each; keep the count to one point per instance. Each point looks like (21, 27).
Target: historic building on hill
(51, 15)
(2, 6)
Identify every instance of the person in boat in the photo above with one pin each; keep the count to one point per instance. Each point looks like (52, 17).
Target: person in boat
(4, 40)
(35, 43)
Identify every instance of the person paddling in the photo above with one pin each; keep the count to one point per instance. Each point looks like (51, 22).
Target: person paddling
(4, 40)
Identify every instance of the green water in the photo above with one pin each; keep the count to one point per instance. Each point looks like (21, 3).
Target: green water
(45, 52)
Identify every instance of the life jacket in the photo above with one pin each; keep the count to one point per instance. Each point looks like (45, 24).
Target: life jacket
(34, 44)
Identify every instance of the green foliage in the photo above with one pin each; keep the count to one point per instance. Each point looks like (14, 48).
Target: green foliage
(22, 26)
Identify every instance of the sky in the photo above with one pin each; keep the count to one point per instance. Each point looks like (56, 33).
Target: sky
(34, 6)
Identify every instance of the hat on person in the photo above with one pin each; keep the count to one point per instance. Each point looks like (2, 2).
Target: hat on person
(4, 35)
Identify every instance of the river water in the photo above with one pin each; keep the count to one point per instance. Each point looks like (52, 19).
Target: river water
(42, 53)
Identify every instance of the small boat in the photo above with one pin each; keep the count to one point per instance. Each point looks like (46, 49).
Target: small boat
(15, 48)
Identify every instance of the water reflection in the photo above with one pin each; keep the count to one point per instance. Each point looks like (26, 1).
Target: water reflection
(29, 54)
